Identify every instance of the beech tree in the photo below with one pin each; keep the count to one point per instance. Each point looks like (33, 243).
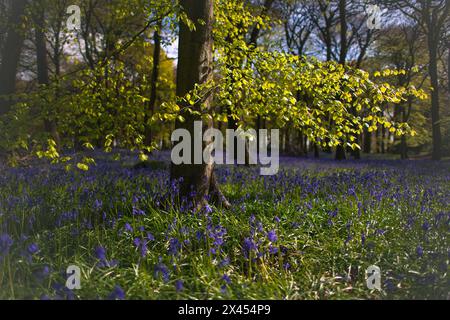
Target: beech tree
(195, 67)
(10, 54)
(433, 18)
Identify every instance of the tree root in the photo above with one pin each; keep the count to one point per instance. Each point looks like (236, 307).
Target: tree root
(216, 195)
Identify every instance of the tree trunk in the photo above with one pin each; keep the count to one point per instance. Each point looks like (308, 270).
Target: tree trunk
(403, 148)
(11, 55)
(340, 150)
(435, 118)
(153, 85)
(42, 69)
(195, 58)
(367, 141)
(340, 153)
(316, 151)
(448, 68)
(344, 29)
(356, 153)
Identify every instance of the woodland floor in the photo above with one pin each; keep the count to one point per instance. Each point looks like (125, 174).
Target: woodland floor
(309, 232)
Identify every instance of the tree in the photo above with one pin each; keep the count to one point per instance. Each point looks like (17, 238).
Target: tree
(433, 17)
(11, 54)
(403, 48)
(42, 63)
(154, 83)
(195, 67)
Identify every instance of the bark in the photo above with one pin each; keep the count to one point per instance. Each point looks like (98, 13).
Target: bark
(448, 68)
(11, 55)
(367, 148)
(403, 148)
(344, 29)
(195, 60)
(340, 150)
(434, 77)
(340, 153)
(43, 70)
(153, 85)
(254, 36)
(316, 151)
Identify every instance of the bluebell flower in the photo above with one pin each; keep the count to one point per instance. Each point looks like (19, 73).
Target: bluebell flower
(100, 253)
(248, 246)
(33, 248)
(150, 236)
(42, 273)
(141, 244)
(174, 246)
(273, 250)
(208, 209)
(117, 294)
(272, 236)
(179, 286)
(162, 270)
(98, 204)
(128, 227)
(419, 251)
(226, 278)
(225, 262)
(5, 244)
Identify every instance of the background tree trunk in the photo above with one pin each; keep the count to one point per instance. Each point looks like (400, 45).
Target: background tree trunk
(154, 84)
(367, 141)
(42, 67)
(11, 54)
(340, 150)
(434, 77)
(195, 60)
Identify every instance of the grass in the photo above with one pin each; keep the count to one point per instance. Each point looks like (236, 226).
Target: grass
(308, 233)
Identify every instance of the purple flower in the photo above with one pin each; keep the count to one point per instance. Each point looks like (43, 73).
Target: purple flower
(426, 226)
(208, 209)
(117, 294)
(273, 250)
(272, 236)
(174, 246)
(419, 251)
(179, 285)
(226, 278)
(100, 253)
(43, 273)
(225, 262)
(142, 245)
(199, 235)
(223, 289)
(150, 236)
(5, 244)
(33, 248)
(128, 227)
(161, 269)
(248, 246)
(98, 204)
(138, 212)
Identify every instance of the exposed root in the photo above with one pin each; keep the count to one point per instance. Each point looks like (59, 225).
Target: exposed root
(216, 195)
